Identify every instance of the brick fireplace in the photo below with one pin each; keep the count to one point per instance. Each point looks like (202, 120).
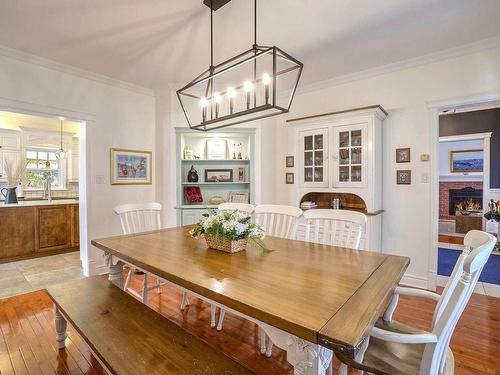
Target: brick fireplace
(444, 195)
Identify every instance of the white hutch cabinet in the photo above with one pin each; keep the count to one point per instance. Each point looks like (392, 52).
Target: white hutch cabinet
(340, 154)
(10, 145)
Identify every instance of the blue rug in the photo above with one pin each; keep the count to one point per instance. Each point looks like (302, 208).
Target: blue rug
(448, 257)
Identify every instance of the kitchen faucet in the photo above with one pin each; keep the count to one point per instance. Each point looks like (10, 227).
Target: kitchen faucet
(47, 189)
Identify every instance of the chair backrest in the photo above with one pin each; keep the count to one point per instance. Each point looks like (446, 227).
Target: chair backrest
(456, 295)
(335, 227)
(140, 217)
(277, 220)
(230, 206)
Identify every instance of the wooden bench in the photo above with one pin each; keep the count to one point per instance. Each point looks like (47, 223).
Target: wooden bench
(127, 336)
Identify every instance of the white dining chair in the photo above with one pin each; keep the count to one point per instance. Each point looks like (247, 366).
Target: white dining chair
(277, 220)
(396, 348)
(230, 206)
(334, 227)
(137, 218)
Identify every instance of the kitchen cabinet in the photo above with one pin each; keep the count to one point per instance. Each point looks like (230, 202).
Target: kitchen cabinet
(74, 161)
(10, 144)
(35, 228)
(54, 227)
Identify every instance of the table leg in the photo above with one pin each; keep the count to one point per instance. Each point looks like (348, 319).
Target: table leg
(115, 271)
(306, 357)
(61, 326)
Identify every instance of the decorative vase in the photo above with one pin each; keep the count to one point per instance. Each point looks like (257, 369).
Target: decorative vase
(10, 195)
(192, 175)
(225, 244)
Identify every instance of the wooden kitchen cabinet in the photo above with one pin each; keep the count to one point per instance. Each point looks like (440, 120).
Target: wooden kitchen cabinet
(54, 227)
(32, 230)
(18, 226)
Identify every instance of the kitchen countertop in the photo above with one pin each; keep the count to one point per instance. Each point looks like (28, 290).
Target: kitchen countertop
(35, 203)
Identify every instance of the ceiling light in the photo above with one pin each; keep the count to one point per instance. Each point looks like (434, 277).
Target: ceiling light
(269, 92)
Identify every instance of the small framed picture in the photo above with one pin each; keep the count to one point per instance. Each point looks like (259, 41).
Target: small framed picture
(289, 162)
(289, 178)
(130, 167)
(403, 155)
(216, 149)
(403, 177)
(218, 175)
(239, 197)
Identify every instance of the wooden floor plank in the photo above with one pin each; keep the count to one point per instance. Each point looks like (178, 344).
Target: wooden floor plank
(475, 344)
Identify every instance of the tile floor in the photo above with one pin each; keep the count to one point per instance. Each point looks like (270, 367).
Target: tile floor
(33, 274)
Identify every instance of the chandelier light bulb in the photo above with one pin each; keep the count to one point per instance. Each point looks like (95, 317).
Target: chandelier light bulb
(266, 79)
(248, 86)
(231, 92)
(203, 102)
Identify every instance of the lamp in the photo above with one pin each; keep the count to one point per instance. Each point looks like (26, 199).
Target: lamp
(61, 154)
(255, 84)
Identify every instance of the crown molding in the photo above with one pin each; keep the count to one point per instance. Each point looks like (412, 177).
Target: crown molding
(402, 65)
(68, 69)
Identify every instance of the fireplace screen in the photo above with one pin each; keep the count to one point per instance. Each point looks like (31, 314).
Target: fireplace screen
(467, 199)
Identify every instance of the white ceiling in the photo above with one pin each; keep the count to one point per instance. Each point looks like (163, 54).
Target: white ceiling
(153, 42)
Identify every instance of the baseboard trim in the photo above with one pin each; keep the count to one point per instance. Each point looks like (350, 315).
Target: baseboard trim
(415, 281)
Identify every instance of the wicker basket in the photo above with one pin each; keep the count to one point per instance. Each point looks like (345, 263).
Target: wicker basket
(225, 244)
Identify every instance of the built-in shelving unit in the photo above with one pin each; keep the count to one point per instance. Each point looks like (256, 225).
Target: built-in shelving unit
(237, 156)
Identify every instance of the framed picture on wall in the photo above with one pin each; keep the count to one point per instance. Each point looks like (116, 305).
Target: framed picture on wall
(403, 177)
(465, 161)
(289, 163)
(130, 167)
(403, 155)
(289, 178)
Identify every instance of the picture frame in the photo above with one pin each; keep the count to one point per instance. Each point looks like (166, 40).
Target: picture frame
(218, 175)
(403, 177)
(216, 149)
(289, 178)
(403, 155)
(466, 161)
(289, 161)
(239, 197)
(130, 167)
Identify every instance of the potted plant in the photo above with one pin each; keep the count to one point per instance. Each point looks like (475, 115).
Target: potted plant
(229, 231)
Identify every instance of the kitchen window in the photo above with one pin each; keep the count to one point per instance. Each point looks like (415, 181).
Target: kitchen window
(42, 165)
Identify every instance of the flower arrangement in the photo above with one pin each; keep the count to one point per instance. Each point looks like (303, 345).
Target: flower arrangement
(229, 230)
(13, 172)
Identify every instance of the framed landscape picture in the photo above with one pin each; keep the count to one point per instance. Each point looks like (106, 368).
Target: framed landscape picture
(218, 175)
(465, 161)
(130, 167)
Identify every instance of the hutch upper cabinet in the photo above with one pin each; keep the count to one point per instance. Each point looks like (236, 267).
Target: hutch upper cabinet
(339, 155)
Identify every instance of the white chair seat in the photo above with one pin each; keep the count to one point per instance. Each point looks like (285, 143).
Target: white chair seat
(392, 358)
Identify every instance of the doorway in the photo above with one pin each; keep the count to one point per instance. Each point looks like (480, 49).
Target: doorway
(41, 245)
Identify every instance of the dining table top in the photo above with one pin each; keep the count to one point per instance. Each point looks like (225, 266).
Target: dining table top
(324, 294)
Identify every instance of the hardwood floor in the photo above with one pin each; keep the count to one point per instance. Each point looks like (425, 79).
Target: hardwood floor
(27, 336)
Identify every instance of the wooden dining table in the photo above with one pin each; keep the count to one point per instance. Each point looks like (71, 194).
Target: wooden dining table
(310, 299)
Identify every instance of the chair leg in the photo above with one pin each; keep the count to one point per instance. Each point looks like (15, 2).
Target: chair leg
(127, 280)
(262, 335)
(213, 310)
(269, 351)
(185, 301)
(221, 319)
(145, 290)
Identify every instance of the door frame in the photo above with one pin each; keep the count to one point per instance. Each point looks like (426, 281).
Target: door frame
(435, 108)
(86, 121)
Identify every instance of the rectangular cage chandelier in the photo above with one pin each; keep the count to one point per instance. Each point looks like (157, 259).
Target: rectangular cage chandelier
(258, 83)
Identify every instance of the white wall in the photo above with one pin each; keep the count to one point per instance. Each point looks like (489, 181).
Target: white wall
(404, 94)
(444, 160)
(123, 118)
